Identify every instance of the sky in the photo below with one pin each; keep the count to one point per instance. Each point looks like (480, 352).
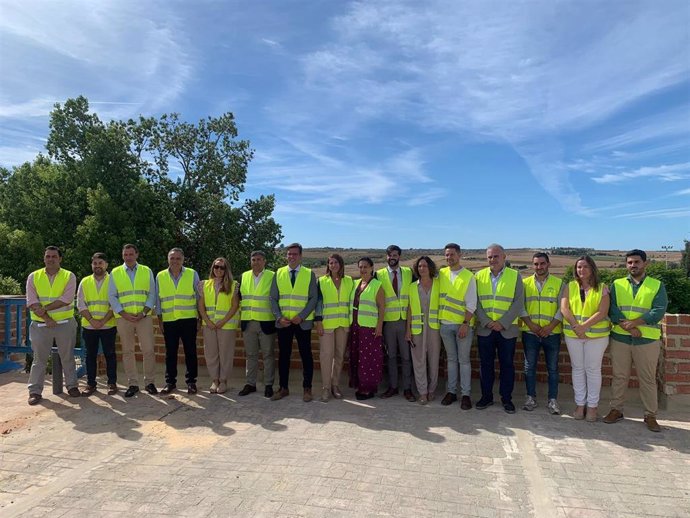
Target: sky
(529, 123)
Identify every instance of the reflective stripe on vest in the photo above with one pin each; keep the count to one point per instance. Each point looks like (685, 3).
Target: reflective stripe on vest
(96, 300)
(542, 307)
(293, 299)
(452, 296)
(396, 306)
(256, 302)
(635, 307)
(416, 307)
(582, 312)
(48, 293)
(367, 311)
(132, 297)
(496, 305)
(336, 305)
(177, 302)
(218, 304)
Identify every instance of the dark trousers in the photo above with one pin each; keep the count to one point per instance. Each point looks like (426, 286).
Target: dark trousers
(183, 329)
(488, 345)
(303, 336)
(106, 337)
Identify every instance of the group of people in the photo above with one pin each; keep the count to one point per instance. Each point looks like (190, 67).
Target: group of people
(390, 314)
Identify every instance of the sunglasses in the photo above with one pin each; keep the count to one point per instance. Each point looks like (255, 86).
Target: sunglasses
(218, 267)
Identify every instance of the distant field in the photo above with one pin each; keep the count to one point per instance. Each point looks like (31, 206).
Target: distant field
(472, 259)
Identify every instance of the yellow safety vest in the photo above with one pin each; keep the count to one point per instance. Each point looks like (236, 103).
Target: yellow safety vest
(336, 305)
(582, 312)
(416, 307)
(635, 307)
(218, 306)
(497, 304)
(48, 293)
(396, 306)
(132, 297)
(177, 302)
(293, 299)
(452, 296)
(367, 310)
(256, 301)
(542, 306)
(96, 300)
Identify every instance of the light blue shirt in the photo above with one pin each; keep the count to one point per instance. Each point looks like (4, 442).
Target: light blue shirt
(114, 298)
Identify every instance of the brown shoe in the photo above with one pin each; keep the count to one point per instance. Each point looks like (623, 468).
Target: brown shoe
(336, 392)
(465, 403)
(613, 416)
(74, 392)
(449, 399)
(390, 393)
(307, 397)
(88, 390)
(651, 423)
(592, 415)
(34, 399)
(112, 389)
(579, 413)
(409, 396)
(282, 392)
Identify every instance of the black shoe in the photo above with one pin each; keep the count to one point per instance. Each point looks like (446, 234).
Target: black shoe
(362, 396)
(484, 403)
(268, 391)
(508, 407)
(151, 389)
(169, 387)
(133, 389)
(191, 388)
(465, 403)
(449, 399)
(248, 389)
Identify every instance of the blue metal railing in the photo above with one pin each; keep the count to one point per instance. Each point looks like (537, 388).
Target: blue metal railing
(15, 337)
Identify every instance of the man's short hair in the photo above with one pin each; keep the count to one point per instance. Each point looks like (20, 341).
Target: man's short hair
(496, 245)
(637, 251)
(54, 249)
(176, 249)
(542, 255)
(295, 245)
(130, 245)
(393, 248)
(258, 253)
(454, 246)
(99, 255)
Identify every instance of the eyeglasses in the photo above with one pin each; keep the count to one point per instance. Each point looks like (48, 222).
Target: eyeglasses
(218, 267)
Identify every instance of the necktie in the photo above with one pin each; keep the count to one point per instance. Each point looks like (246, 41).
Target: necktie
(293, 274)
(395, 281)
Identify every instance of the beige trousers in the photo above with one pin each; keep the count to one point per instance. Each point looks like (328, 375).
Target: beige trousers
(219, 351)
(331, 352)
(646, 358)
(144, 332)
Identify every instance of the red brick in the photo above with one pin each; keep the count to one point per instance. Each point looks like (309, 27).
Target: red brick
(677, 377)
(682, 389)
(684, 319)
(682, 367)
(669, 319)
(677, 330)
(684, 342)
(671, 367)
(683, 355)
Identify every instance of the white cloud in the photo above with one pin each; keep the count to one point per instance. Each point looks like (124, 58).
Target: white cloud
(669, 213)
(667, 173)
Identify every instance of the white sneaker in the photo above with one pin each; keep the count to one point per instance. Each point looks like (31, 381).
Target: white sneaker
(530, 404)
(553, 407)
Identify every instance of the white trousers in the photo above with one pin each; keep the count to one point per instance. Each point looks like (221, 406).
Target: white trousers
(585, 359)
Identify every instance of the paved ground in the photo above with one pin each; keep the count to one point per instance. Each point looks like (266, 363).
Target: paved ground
(224, 455)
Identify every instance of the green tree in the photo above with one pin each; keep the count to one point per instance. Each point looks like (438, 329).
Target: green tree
(685, 259)
(157, 182)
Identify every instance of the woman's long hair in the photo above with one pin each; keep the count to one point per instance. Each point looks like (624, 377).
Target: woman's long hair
(595, 271)
(341, 262)
(226, 284)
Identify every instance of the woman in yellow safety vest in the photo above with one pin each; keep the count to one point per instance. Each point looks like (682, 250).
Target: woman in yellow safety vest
(219, 310)
(585, 308)
(423, 327)
(332, 322)
(367, 305)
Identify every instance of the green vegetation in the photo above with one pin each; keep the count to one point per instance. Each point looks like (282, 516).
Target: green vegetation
(156, 182)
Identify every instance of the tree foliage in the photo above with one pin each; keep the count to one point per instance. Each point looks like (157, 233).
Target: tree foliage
(156, 182)
(685, 259)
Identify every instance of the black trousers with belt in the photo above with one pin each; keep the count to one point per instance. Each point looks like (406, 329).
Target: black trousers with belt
(303, 336)
(183, 329)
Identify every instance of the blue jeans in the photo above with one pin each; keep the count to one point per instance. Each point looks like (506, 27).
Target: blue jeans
(488, 345)
(458, 354)
(551, 345)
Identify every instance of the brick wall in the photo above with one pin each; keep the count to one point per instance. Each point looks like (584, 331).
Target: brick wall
(673, 374)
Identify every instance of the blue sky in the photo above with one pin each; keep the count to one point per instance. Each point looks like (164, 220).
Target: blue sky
(532, 124)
